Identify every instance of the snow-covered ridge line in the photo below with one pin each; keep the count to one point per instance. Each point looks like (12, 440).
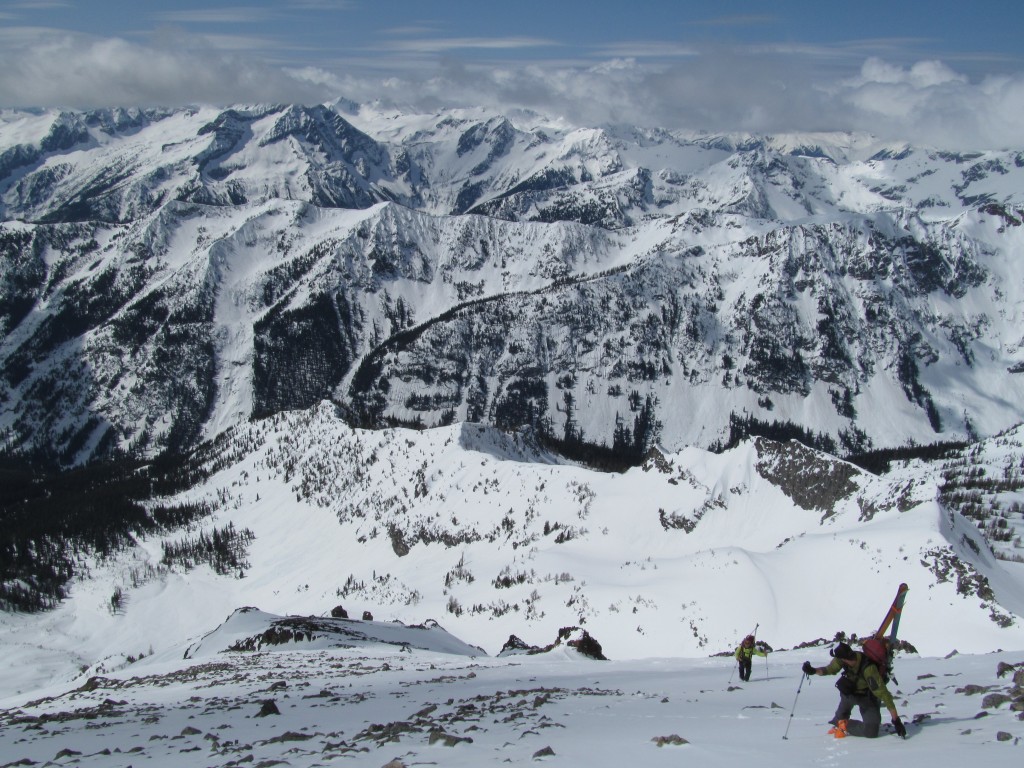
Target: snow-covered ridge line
(253, 256)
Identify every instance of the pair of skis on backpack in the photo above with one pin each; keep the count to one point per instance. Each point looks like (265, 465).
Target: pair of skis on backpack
(879, 649)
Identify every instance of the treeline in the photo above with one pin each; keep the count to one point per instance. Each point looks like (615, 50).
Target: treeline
(525, 406)
(880, 460)
(742, 427)
(52, 520)
(223, 550)
(629, 447)
(875, 461)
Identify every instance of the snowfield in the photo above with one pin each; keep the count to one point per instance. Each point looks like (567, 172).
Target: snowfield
(376, 704)
(454, 539)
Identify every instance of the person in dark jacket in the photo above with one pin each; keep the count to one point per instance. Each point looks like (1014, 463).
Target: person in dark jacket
(862, 685)
(745, 656)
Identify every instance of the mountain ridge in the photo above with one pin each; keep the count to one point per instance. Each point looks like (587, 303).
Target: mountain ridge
(806, 279)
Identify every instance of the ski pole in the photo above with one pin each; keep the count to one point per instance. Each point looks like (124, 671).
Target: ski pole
(754, 644)
(793, 710)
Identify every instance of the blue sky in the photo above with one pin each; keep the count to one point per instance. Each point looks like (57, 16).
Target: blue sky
(723, 65)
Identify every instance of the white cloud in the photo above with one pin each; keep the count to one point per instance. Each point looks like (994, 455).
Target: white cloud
(923, 74)
(930, 103)
(444, 45)
(648, 49)
(926, 103)
(756, 90)
(236, 15)
(321, 5)
(41, 67)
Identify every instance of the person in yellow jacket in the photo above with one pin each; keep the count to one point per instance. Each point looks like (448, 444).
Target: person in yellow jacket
(745, 656)
(862, 685)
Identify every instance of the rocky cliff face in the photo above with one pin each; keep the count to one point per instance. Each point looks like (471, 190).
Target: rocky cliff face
(165, 275)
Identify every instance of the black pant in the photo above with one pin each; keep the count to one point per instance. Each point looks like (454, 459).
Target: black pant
(745, 665)
(870, 711)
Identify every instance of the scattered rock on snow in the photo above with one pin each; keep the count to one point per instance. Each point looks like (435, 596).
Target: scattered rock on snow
(994, 700)
(269, 708)
(970, 689)
(514, 645)
(448, 739)
(426, 710)
(674, 739)
(1002, 668)
(289, 736)
(573, 637)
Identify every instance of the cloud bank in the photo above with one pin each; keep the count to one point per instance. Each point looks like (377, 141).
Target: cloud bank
(44, 68)
(766, 91)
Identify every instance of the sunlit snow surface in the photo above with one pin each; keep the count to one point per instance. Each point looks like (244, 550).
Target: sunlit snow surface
(490, 536)
(327, 504)
(376, 703)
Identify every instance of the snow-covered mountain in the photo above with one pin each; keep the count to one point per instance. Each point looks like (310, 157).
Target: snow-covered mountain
(254, 305)
(165, 275)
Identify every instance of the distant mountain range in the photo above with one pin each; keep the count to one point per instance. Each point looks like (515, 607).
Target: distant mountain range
(166, 275)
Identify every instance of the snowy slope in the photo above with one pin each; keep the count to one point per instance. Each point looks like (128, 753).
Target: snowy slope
(381, 707)
(492, 537)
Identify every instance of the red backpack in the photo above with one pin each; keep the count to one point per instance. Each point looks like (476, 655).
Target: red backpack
(876, 649)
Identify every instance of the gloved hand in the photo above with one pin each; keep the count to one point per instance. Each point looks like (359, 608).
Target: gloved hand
(808, 669)
(901, 729)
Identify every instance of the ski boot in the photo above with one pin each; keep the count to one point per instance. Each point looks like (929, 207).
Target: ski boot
(839, 730)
